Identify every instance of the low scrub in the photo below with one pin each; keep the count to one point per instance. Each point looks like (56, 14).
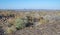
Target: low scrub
(19, 23)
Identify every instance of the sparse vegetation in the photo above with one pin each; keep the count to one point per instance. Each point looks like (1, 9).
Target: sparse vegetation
(13, 22)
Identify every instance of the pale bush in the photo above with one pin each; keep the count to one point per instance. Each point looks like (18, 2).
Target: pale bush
(19, 24)
(10, 30)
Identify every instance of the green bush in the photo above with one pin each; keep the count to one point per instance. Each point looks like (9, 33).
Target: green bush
(19, 23)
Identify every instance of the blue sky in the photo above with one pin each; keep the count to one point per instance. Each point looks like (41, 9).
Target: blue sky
(29, 4)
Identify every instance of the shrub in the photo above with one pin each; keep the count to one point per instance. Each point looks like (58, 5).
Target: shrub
(19, 23)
